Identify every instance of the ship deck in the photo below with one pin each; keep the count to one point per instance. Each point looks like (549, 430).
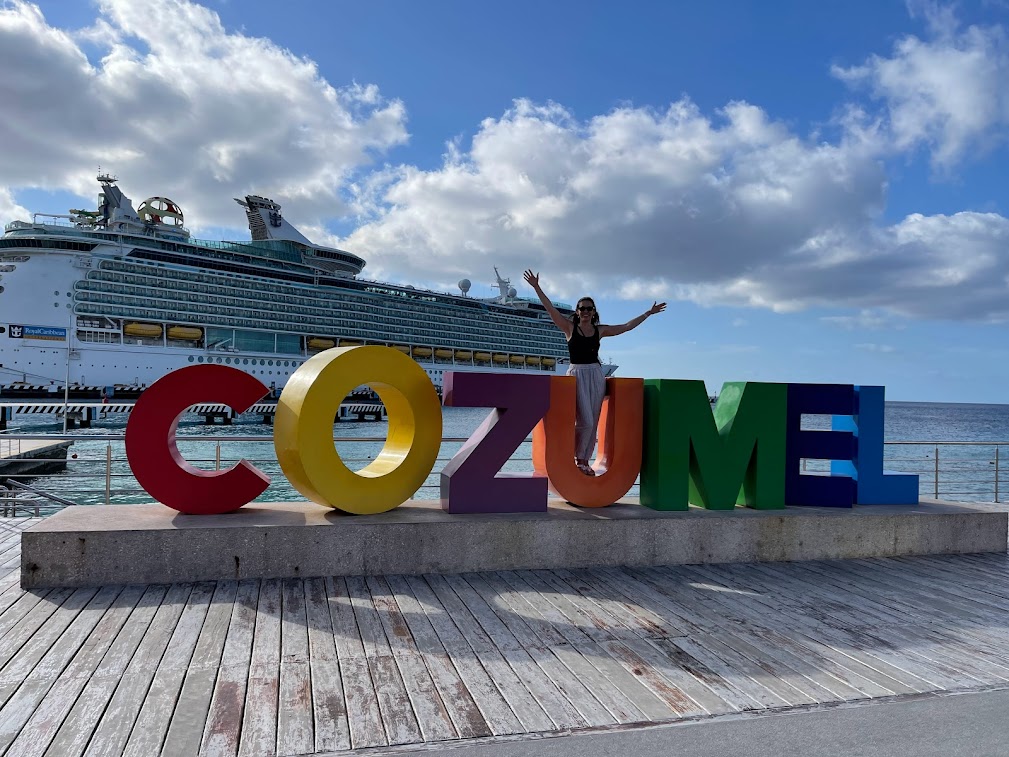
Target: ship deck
(319, 665)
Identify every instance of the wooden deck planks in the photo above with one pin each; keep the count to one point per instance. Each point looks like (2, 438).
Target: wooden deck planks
(299, 666)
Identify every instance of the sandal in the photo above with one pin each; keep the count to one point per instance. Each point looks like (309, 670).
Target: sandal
(584, 467)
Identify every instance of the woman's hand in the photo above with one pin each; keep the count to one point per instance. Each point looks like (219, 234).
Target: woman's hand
(532, 279)
(657, 307)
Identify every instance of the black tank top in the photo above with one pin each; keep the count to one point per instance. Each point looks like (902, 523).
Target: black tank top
(584, 350)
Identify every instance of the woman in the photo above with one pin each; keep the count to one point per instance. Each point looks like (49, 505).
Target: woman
(583, 332)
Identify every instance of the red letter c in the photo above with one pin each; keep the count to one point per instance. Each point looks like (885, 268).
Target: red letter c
(153, 452)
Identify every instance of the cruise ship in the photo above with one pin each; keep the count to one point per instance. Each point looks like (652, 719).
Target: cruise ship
(108, 301)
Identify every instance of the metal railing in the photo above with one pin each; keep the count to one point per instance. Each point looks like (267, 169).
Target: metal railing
(97, 471)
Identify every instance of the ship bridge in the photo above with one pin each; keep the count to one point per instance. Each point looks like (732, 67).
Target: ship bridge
(267, 223)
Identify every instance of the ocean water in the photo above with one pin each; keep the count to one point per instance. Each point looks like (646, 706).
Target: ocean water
(966, 472)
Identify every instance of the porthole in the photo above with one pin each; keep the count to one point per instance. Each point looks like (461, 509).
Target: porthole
(56, 292)
(245, 361)
(199, 359)
(269, 362)
(227, 360)
(191, 358)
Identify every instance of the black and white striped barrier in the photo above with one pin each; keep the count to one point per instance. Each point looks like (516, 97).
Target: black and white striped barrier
(84, 413)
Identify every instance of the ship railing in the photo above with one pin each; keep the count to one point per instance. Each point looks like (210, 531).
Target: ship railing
(97, 471)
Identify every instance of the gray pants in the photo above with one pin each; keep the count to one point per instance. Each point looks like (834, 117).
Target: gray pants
(590, 389)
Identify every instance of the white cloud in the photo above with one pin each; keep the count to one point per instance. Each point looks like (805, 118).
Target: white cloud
(877, 348)
(949, 93)
(9, 208)
(865, 320)
(734, 210)
(732, 207)
(637, 201)
(176, 105)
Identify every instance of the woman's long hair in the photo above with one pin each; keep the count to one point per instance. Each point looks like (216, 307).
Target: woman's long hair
(595, 313)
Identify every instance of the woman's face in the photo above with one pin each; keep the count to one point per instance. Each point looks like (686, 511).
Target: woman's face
(586, 309)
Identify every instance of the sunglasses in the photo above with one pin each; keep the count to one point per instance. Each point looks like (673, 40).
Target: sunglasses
(586, 308)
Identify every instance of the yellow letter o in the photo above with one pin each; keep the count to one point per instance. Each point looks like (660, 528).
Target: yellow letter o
(303, 429)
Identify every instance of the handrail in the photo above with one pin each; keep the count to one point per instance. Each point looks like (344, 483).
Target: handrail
(40, 493)
(99, 473)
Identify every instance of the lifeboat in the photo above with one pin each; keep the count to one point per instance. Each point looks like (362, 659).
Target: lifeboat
(185, 333)
(422, 351)
(500, 358)
(444, 354)
(142, 329)
(549, 362)
(318, 343)
(401, 347)
(531, 360)
(517, 359)
(463, 354)
(349, 343)
(483, 357)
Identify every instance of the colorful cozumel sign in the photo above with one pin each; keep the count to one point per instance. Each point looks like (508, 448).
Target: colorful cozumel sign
(747, 451)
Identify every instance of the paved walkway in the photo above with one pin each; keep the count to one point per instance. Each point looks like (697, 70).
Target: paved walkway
(329, 664)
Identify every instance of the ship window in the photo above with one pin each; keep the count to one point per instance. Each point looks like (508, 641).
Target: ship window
(191, 358)
(199, 359)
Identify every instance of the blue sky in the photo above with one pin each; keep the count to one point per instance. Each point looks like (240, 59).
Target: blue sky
(816, 188)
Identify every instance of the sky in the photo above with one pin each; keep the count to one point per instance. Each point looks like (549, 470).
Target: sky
(816, 189)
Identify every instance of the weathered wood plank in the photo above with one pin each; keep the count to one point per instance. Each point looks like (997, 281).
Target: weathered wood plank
(22, 619)
(75, 731)
(363, 714)
(521, 613)
(259, 721)
(295, 731)
(640, 620)
(460, 614)
(431, 714)
(458, 702)
(622, 709)
(493, 706)
(343, 620)
(30, 720)
(543, 611)
(224, 718)
(369, 625)
(151, 727)
(116, 723)
(561, 713)
(364, 719)
(329, 711)
(23, 661)
(514, 614)
(189, 719)
(681, 692)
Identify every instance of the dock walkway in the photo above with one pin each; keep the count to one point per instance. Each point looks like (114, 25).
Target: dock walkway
(319, 665)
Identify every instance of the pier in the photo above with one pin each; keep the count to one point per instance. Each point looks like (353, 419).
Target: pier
(26, 457)
(317, 665)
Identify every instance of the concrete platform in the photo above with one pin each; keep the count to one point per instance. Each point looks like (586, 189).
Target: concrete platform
(98, 545)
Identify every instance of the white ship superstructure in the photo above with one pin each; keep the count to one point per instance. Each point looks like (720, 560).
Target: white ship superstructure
(119, 297)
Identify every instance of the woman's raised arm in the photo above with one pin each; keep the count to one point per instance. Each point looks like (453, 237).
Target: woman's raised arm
(565, 325)
(657, 307)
